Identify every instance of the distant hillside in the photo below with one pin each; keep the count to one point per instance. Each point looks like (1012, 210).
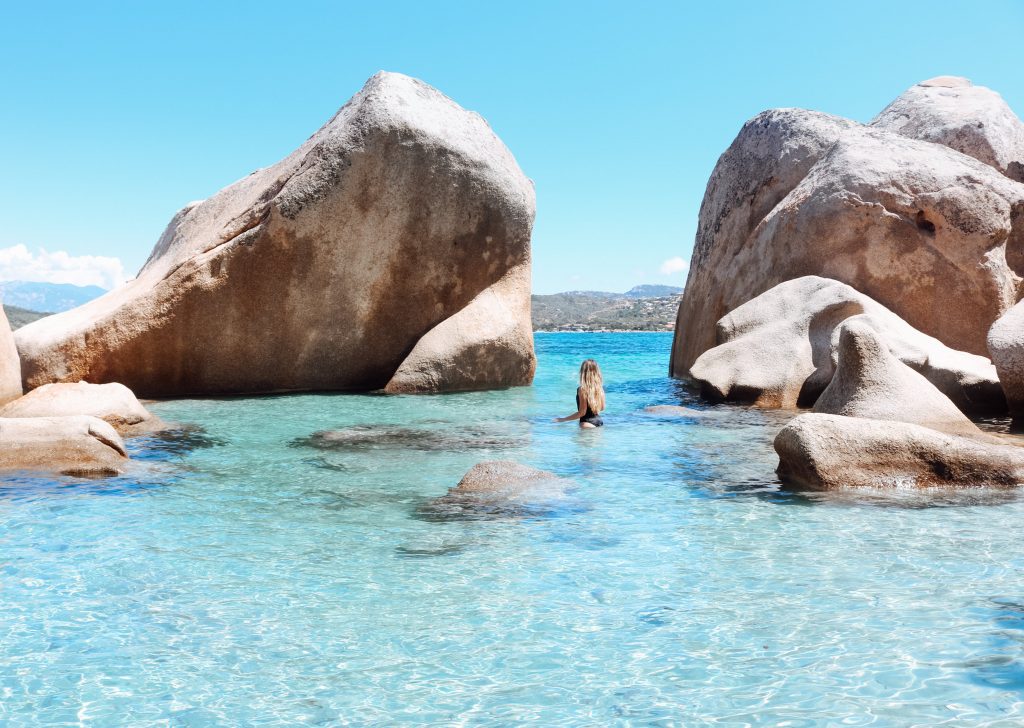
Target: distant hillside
(54, 297)
(652, 291)
(19, 317)
(600, 311)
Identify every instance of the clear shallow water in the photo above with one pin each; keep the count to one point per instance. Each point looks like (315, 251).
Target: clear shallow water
(241, 575)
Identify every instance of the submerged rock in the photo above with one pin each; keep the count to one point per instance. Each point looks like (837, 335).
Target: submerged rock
(502, 485)
(871, 383)
(780, 348)
(113, 403)
(1006, 347)
(932, 234)
(10, 364)
(440, 437)
(952, 111)
(77, 445)
(826, 452)
(400, 230)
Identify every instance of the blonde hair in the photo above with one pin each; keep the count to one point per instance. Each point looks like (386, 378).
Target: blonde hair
(592, 385)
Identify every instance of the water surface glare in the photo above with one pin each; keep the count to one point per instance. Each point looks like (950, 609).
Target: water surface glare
(252, 571)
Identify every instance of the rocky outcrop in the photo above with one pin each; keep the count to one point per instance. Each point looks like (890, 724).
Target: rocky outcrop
(932, 234)
(869, 382)
(957, 114)
(10, 364)
(827, 452)
(1006, 347)
(390, 234)
(780, 349)
(78, 445)
(113, 403)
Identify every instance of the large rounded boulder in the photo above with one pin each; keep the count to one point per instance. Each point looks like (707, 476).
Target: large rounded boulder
(952, 111)
(328, 269)
(780, 349)
(933, 234)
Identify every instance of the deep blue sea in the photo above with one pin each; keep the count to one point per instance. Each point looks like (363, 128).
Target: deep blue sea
(242, 575)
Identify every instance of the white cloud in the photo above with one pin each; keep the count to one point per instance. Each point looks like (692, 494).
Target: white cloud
(674, 265)
(17, 263)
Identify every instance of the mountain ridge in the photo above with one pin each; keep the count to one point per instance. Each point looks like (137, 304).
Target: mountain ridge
(42, 296)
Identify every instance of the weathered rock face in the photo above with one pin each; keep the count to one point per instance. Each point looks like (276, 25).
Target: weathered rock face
(328, 269)
(826, 452)
(10, 364)
(780, 348)
(78, 445)
(871, 383)
(957, 114)
(113, 403)
(932, 234)
(1006, 347)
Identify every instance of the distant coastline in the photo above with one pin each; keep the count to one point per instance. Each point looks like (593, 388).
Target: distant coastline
(640, 309)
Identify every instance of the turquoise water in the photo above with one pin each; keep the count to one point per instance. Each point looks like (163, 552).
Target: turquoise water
(242, 574)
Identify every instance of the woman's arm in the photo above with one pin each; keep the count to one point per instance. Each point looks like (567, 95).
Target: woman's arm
(582, 409)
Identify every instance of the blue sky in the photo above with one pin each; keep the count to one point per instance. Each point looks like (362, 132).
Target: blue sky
(115, 115)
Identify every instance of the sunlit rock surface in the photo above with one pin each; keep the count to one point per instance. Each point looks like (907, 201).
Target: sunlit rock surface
(328, 269)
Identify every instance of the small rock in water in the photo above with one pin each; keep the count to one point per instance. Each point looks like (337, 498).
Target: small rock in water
(502, 487)
(79, 445)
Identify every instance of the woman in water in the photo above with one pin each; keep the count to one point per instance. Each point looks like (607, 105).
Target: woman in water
(589, 397)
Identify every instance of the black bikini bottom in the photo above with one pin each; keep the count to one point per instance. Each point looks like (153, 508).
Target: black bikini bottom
(595, 421)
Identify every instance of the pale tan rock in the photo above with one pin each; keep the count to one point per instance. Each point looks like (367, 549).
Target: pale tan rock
(10, 364)
(1006, 347)
(507, 481)
(932, 234)
(773, 152)
(955, 113)
(871, 383)
(113, 403)
(325, 270)
(476, 347)
(829, 452)
(780, 348)
(77, 445)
